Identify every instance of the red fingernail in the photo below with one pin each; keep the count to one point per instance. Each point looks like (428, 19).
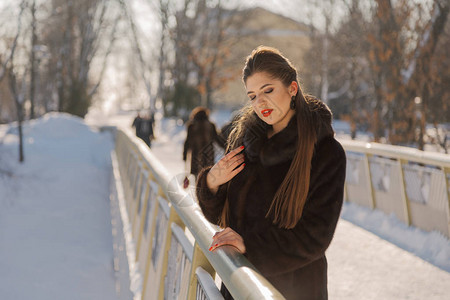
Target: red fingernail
(210, 248)
(216, 245)
(242, 147)
(243, 165)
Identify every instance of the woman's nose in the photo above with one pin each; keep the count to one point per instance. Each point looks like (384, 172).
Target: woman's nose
(260, 99)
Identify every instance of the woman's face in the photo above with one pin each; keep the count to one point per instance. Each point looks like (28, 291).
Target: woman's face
(271, 99)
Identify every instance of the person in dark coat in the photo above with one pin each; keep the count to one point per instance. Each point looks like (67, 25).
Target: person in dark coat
(147, 129)
(201, 134)
(278, 192)
(137, 124)
(144, 127)
(226, 129)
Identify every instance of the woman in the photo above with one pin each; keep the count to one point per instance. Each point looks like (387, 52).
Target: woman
(201, 133)
(279, 192)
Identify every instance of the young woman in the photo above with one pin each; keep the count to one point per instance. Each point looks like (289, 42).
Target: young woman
(278, 193)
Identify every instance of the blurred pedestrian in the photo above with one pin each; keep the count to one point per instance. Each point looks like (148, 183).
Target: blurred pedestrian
(278, 192)
(226, 129)
(144, 127)
(147, 124)
(137, 122)
(201, 134)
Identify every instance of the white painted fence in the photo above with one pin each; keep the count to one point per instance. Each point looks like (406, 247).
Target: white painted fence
(412, 184)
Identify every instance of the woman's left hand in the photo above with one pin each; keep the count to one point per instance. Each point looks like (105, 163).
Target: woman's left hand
(228, 237)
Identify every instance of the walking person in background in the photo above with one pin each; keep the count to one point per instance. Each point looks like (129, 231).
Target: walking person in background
(144, 127)
(137, 122)
(226, 129)
(201, 133)
(278, 191)
(147, 129)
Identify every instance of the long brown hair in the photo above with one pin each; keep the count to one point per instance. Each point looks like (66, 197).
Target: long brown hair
(287, 205)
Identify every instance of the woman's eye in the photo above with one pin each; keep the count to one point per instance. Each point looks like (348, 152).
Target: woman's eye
(268, 91)
(252, 98)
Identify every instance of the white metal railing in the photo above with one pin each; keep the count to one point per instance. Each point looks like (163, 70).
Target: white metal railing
(412, 184)
(161, 213)
(206, 287)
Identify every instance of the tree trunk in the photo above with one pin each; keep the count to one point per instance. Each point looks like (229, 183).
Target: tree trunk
(20, 118)
(33, 58)
(324, 83)
(19, 107)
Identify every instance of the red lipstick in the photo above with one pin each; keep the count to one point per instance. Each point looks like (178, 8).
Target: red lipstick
(266, 112)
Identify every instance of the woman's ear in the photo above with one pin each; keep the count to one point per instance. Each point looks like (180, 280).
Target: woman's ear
(293, 88)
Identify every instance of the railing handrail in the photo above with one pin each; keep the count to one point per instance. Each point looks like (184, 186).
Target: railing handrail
(239, 275)
(398, 152)
(422, 180)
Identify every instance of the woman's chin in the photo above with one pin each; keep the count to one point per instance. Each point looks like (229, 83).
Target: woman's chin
(268, 120)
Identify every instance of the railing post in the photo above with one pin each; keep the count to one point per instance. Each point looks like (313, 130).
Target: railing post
(150, 250)
(446, 172)
(173, 218)
(345, 192)
(199, 259)
(404, 195)
(142, 215)
(369, 180)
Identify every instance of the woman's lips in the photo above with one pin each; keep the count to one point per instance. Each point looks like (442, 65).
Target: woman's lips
(266, 112)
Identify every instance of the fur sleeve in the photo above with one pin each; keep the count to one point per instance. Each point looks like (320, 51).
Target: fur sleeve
(211, 205)
(275, 251)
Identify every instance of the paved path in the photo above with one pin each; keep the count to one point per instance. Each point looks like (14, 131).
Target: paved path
(364, 266)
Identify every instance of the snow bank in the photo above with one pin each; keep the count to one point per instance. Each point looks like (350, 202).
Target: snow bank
(430, 246)
(55, 222)
(58, 136)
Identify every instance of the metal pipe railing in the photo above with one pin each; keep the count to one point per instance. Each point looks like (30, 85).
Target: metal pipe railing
(237, 273)
(398, 152)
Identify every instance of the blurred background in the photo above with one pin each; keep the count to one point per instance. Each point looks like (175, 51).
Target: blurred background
(382, 66)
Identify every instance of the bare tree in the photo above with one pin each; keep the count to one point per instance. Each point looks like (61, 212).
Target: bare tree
(9, 56)
(14, 83)
(378, 63)
(200, 44)
(77, 33)
(401, 76)
(163, 14)
(144, 66)
(33, 57)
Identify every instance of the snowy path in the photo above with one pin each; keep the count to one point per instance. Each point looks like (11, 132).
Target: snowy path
(363, 266)
(55, 222)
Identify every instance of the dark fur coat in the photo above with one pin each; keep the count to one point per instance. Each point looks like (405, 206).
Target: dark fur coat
(293, 260)
(201, 134)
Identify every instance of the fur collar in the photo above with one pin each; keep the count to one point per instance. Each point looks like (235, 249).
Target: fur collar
(281, 146)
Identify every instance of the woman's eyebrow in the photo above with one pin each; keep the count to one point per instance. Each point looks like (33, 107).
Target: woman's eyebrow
(249, 92)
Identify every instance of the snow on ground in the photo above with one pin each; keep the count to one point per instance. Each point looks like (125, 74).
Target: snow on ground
(55, 223)
(433, 246)
(362, 265)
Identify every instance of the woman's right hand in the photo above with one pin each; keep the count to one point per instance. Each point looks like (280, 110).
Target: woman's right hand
(225, 169)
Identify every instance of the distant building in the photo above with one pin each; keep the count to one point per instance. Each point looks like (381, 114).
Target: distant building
(254, 27)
